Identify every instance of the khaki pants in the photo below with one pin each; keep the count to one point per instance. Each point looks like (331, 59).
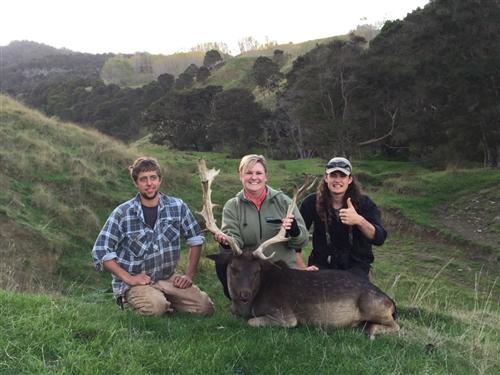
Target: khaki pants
(162, 297)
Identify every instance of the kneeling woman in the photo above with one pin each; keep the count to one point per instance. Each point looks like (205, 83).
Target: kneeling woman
(346, 222)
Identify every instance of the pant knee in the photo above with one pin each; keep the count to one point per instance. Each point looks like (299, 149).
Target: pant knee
(147, 301)
(155, 307)
(207, 307)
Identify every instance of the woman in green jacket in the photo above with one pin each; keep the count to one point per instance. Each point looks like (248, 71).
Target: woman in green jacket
(256, 214)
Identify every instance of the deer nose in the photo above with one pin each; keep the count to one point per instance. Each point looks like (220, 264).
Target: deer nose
(245, 296)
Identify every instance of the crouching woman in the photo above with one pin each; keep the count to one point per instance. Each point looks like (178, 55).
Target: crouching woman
(346, 223)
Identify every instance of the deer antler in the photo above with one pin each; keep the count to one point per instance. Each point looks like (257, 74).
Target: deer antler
(281, 235)
(207, 176)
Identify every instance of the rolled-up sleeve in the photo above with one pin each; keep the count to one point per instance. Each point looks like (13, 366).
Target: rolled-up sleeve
(106, 242)
(190, 227)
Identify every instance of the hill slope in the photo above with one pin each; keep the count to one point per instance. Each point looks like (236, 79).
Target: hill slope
(55, 179)
(236, 72)
(18, 52)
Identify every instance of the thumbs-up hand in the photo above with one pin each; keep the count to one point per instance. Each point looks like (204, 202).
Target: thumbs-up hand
(348, 215)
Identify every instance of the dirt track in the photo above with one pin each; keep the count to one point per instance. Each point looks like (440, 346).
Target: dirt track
(475, 218)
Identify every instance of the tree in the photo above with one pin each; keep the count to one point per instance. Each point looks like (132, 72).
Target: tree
(166, 81)
(211, 58)
(118, 70)
(318, 99)
(218, 46)
(182, 119)
(191, 70)
(367, 31)
(248, 43)
(279, 57)
(202, 74)
(264, 70)
(447, 96)
(185, 79)
(237, 122)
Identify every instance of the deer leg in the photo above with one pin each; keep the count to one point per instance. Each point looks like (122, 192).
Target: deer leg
(279, 318)
(377, 328)
(262, 321)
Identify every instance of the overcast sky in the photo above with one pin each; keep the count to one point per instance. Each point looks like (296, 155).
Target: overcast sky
(161, 26)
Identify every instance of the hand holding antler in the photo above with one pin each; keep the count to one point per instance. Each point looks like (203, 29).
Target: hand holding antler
(281, 235)
(288, 221)
(221, 238)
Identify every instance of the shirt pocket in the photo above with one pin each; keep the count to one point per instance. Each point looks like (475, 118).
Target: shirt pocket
(271, 229)
(170, 229)
(138, 243)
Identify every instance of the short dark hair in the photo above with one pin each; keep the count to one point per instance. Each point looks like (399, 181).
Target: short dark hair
(144, 164)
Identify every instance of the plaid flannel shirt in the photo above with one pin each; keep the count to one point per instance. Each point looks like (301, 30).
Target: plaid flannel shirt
(139, 248)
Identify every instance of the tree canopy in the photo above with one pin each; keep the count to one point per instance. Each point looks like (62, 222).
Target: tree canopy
(425, 88)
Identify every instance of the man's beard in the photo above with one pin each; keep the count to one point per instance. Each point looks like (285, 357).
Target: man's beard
(148, 197)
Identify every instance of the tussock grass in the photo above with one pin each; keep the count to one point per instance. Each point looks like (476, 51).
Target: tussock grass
(441, 316)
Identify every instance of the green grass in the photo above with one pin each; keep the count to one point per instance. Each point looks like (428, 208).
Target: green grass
(293, 50)
(418, 192)
(59, 183)
(450, 330)
(235, 73)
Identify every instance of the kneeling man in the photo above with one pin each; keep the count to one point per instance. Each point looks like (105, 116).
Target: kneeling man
(140, 246)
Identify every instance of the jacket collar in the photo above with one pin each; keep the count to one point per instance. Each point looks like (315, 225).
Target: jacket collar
(271, 193)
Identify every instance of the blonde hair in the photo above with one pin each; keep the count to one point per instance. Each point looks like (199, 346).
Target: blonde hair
(144, 164)
(248, 161)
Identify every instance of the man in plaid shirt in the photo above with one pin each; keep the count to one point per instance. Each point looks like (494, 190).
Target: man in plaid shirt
(140, 246)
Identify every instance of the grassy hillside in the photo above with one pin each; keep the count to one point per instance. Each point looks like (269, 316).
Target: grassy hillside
(142, 68)
(236, 72)
(58, 184)
(57, 181)
(292, 50)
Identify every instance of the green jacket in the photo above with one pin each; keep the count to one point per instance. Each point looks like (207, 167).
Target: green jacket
(250, 227)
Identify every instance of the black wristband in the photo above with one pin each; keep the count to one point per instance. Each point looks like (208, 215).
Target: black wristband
(294, 231)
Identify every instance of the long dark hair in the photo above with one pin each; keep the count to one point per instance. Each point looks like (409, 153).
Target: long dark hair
(324, 206)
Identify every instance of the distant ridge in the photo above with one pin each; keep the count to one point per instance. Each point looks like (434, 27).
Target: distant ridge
(143, 67)
(20, 51)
